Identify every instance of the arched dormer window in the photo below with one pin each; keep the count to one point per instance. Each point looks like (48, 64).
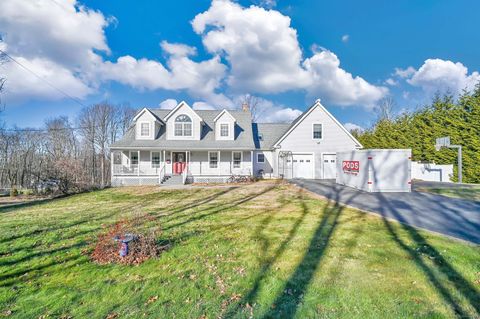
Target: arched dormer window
(183, 125)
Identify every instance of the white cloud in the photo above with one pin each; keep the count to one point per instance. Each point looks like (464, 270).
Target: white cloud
(264, 55)
(345, 38)
(351, 126)
(267, 111)
(200, 79)
(178, 49)
(331, 82)
(168, 104)
(391, 82)
(404, 73)
(442, 75)
(204, 106)
(63, 31)
(267, 3)
(58, 41)
(259, 45)
(62, 40)
(22, 85)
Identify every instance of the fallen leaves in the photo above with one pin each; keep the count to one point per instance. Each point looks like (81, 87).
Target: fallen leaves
(112, 315)
(142, 248)
(151, 299)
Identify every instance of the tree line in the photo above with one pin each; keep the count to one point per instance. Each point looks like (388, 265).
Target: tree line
(458, 118)
(74, 155)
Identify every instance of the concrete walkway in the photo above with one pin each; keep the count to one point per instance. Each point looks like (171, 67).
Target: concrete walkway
(449, 216)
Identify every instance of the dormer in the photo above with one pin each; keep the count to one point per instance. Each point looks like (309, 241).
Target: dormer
(147, 125)
(225, 126)
(183, 123)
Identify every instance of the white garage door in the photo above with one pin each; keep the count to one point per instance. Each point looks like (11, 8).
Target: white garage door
(302, 165)
(329, 166)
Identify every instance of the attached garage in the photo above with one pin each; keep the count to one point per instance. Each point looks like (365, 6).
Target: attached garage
(303, 165)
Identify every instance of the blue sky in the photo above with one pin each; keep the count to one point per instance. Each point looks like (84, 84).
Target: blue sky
(350, 54)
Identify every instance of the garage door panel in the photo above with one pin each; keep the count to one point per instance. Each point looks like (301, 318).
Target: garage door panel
(303, 166)
(329, 163)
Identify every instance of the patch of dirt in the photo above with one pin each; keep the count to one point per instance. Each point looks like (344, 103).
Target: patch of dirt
(143, 247)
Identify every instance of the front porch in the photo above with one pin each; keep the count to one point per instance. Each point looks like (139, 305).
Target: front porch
(154, 167)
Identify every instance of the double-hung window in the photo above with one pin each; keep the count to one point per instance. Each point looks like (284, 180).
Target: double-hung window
(224, 130)
(317, 131)
(134, 158)
(260, 158)
(183, 126)
(155, 159)
(237, 159)
(213, 159)
(144, 129)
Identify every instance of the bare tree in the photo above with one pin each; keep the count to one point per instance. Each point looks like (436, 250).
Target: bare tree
(252, 102)
(385, 109)
(87, 123)
(77, 158)
(3, 79)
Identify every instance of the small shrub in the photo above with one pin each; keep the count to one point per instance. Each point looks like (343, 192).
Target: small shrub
(13, 192)
(26, 191)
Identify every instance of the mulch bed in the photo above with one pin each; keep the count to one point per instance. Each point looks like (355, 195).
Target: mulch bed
(142, 248)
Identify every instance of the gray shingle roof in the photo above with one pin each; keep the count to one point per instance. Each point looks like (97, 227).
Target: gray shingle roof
(266, 134)
(244, 139)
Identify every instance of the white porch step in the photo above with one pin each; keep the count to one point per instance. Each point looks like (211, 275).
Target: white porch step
(172, 180)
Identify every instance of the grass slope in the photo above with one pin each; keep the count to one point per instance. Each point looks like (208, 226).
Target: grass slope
(470, 193)
(265, 250)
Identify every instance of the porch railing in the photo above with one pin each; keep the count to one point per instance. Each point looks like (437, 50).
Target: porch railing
(222, 168)
(185, 174)
(161, 174)
(138, 170)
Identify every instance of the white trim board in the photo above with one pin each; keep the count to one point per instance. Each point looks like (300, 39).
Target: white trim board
(223, 112)
(150, 112)
(183, 103)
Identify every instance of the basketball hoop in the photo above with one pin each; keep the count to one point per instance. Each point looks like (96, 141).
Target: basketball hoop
(445, 142)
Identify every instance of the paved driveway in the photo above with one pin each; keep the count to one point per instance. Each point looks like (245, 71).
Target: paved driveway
(453, 217)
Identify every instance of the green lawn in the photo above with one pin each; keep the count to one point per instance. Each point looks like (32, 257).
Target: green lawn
(264, 250)
(471, 193)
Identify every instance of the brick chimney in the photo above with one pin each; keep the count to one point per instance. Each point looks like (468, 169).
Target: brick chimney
(245, 107)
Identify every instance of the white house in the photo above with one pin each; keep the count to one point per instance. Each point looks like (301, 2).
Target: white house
(210, 146)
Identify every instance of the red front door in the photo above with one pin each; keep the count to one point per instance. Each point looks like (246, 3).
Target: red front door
(179, 162)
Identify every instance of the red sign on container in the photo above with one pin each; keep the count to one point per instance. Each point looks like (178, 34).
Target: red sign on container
(351, 166)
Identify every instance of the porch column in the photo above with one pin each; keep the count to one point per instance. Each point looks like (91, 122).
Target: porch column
(251, 163)
(138, 165)
(111, 166)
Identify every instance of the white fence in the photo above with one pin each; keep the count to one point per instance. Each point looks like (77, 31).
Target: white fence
(432, 172)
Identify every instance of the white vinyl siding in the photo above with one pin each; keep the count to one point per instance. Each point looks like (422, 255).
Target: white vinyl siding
(334, 138)
(183, 130)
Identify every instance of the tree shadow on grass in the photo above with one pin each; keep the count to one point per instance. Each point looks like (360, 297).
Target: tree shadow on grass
(440, 266)
(287, 302)
(207, 211)
(285, 305)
